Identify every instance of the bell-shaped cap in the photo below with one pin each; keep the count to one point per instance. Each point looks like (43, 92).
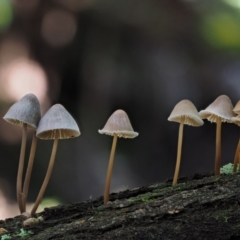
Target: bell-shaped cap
(221, 108)
(236, 109)
(119, 124)
(26, 110)
(57, 121)
(186, 112)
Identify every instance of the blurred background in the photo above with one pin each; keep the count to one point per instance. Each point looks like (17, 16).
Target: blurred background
(97, 56)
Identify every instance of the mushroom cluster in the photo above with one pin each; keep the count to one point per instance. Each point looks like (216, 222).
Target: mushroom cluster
(56, 124)
(221, 110)
(26, 114)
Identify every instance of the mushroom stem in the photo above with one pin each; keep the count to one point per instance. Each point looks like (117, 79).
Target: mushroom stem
(109, 171)
(20, 168)
(236, 156)
(29, 170)
(179, 153)
(218, 147)
(47, 176)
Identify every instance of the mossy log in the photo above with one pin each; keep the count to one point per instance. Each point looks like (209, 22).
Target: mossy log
(198, 207)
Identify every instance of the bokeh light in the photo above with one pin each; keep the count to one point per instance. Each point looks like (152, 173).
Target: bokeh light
(20, 77)
(221, 30)
(58, 28)
(233, 3)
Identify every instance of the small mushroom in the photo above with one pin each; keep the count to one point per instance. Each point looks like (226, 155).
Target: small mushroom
(118, 125)
(56, 124)
(25, 113)
(184, 113)
(236, 120)
(221, 110)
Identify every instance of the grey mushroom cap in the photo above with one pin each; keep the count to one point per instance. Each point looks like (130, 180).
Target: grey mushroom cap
(119, 124)
(26, 110)
(221, 108)
(57, 120)
(186, 112)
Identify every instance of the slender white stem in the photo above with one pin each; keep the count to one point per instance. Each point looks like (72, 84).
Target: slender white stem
(20, 168)
(29, 170)
(218, 147)
(179, 153)
(236, 157)
(109, 171)
(47, 176)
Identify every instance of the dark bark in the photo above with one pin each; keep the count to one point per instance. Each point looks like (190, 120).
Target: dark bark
(199, 207)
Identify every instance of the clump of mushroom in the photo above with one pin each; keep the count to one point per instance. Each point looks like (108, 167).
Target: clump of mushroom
(25, 113)
(56, 124)
(118, 125)
(184, 113)
(221, 110)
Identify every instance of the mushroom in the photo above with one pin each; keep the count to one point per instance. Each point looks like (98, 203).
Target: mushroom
(118, 125)
(221, 110)
(236, 120)
(25, 113)
(56, 124)
(184, 113)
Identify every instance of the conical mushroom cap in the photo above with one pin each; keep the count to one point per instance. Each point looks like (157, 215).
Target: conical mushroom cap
(185, 111)
(119, 124)
(221, 108)
(57, 119)
(236, 109)
(26, 110)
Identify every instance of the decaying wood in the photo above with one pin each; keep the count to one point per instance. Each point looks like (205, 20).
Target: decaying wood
(199, 207)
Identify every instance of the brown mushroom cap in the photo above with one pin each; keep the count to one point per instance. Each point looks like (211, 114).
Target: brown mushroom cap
(185, 111)
(26, 110)
(221, 108)
(57, 119)
(236, 109)
(119, 123)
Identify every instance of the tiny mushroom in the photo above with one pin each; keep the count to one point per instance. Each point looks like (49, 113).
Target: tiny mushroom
(25, 113)
(184, 113)
(118, 125)
(56, 124)
(236, 120)
(221, 110)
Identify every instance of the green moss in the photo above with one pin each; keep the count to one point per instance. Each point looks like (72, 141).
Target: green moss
(5, 236)
(146, 197)
(227, 169)
(222, 216)
(24, 233)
